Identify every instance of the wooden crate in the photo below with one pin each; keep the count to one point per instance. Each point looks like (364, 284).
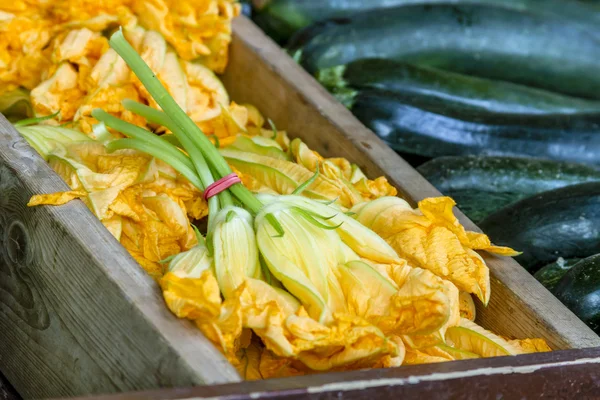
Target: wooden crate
(566, 374)
(78, 316)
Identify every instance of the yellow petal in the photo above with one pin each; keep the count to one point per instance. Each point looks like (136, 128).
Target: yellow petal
(446, 351)
(56, 199)
(530, 345)
(467, 306)
(249, 362)
(192, 298)
(415, 357)
(347, 176)
(289, 332)
(114, 225)
(431, 238)
(473, 338)
(272, 366)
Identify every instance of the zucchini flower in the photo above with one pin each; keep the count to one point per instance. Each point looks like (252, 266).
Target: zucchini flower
(303, 258)
(432, 238)
(291, 334)
(189, 287)
(235, 250)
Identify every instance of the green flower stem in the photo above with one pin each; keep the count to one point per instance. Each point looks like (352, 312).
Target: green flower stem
(135, 132)
(151, 114)
(35, 120)
(159, 117)
(189, 134)
(195, 170)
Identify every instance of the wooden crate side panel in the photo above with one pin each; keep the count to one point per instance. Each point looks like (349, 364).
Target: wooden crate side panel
(262, 74)
(571, 374)
(77, 314)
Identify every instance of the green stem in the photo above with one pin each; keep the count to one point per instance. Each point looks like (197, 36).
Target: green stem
(36, 120)
(135, 132)
(189, 134)
(163, 150)
(151, 114)
(159, 117)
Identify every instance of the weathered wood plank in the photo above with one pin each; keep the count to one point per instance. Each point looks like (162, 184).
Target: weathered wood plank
(262, 74)
(77, 313)
(570, 374)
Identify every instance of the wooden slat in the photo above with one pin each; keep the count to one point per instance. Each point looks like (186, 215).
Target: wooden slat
(77, 314)
(570, 374)
(262, 74)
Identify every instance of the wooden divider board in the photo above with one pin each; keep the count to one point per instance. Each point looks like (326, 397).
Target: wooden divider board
(264, 75)
(77, 314)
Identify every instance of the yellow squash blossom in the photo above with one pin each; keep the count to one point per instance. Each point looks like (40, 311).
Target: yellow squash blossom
(432, 238)
(142, 201)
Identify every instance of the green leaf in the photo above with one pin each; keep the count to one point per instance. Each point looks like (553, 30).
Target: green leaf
(36, 120)
(308, 182)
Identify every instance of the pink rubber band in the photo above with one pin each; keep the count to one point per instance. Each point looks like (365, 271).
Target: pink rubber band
(222, 184)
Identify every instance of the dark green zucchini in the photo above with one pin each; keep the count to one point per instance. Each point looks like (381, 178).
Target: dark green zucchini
(537, 49)
(482, 185)
(579, 290)
(281, 18)
(563, 222)
(551, 274)
(477, 93)
(432, 128)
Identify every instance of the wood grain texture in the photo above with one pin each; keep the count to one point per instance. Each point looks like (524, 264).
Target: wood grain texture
(77, 313)
(262, 74)
(570, 374)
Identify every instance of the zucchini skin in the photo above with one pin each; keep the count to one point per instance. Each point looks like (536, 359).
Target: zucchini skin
(563, 222)
(531, 48)
(482, 94)
(579, 290)
(280, 19)
(482, 185)
(551, 274)
(433, 128)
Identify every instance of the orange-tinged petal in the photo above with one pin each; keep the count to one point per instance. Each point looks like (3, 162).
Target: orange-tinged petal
(56, 199)
(415, 357)
(249, 358)
(432, 238)
(531, 345)
(272, 366)
(467, 306)
(114, 225)
(192, 298)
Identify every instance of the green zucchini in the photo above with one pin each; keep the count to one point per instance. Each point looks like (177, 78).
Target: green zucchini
(579, 290)
(551, 274)
(563, 222)
(483, 185)
(281, 18)
(540, 48)
(431, 127)
(468, 91)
